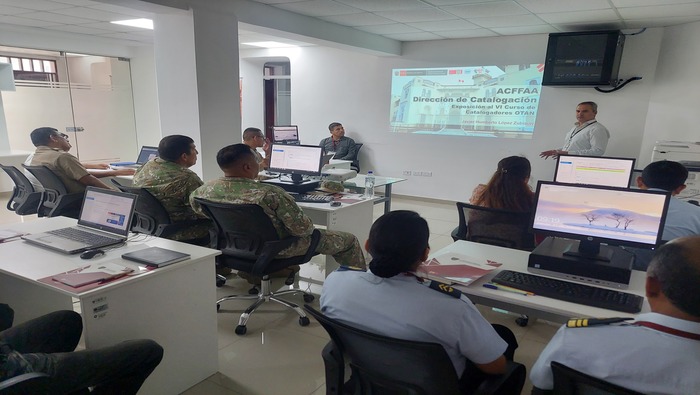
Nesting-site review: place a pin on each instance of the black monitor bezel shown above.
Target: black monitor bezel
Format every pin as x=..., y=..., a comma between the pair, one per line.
x=296, y=171
x=274, y=140
x=598, y=239
x=556, y=168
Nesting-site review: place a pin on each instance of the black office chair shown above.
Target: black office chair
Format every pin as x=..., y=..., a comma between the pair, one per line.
x=56, y=200
x=25, y=199
x=568, y=381
x=355, y=165
x=249, y=242
x=385, y=365
x=502, y=228
x=151, y=218
x=27, y=383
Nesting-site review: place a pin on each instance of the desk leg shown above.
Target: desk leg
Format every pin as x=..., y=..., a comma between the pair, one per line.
x=387, y=196
x=175, y=308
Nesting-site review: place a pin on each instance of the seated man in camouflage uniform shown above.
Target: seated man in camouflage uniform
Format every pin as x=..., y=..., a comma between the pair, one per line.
x=238, y=186
x=170, y=180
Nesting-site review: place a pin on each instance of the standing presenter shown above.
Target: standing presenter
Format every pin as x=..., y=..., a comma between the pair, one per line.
x=587, y=137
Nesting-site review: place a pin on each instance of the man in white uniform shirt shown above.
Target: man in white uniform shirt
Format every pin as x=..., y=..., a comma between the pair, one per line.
x=658, y=352
x=587, y=137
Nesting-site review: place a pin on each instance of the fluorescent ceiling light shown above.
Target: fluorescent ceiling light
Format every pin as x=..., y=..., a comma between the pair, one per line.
x=142, y=23
x=270, y=44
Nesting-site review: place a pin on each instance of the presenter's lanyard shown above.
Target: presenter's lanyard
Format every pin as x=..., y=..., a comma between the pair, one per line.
x=577, y=131
x=670, y=331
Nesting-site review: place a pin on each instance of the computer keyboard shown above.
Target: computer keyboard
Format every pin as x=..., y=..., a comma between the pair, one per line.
x=571, y=292
x=312, y=198
x=83, y=236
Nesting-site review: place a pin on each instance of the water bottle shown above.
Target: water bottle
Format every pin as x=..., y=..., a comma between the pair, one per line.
x=369, y=185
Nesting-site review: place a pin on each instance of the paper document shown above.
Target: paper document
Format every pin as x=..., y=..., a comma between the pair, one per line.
x=456, y=268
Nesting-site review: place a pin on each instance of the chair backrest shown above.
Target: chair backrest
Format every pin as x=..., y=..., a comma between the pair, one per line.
x=385, y=365
x=22, y=192
x=355, y=165
x=53, y=185
x=149, y=213
x=494, y=226
x=568, y=381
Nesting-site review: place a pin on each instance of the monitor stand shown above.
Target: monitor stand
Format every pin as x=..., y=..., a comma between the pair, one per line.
x=610, y=266
x=296, y=185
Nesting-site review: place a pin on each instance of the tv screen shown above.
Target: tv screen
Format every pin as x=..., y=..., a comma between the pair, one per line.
x=296, y=159
x=594, y=170
x=614, y=216
x=583, y=58
x=289, y=133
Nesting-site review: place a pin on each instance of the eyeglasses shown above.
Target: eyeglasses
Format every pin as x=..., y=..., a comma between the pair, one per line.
x=63, y=136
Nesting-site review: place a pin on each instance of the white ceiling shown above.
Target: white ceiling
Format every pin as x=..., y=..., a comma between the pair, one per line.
x=403, y=20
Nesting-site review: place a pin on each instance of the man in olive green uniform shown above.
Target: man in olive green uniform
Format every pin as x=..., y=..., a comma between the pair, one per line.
x=238, y=186
x=170, y=180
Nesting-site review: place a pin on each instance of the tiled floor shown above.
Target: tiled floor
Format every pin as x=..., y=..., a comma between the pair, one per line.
x=277, y=356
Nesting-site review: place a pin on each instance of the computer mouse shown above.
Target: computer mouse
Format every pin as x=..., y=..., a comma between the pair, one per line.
x=335, y=204
x=89, y=254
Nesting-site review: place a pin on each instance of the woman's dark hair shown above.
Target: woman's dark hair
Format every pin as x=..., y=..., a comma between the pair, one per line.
x=507, y=189
x=397, y=240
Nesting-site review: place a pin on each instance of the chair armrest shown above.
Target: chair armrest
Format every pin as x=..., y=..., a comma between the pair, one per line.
x=165, y=230
x=270, y=251
x=511, y=382
x=335, y=368
x=27, y=383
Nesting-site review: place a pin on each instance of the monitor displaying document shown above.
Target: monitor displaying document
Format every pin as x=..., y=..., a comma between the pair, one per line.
x=594, y=170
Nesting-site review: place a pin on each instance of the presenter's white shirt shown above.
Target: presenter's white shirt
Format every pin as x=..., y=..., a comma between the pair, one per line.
x=590, y=139
x=635, y=357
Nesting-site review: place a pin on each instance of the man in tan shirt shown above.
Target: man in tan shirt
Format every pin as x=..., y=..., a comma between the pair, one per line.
x=52, y=151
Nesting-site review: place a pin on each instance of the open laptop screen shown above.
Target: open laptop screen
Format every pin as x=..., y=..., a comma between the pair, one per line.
x=147, y=153
x=107, y=210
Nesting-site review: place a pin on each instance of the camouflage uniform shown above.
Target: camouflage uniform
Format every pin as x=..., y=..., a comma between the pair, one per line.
x=286, y=216
x=172, y=184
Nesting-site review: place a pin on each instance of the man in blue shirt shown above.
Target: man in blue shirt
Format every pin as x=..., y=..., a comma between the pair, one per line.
x=683, y=218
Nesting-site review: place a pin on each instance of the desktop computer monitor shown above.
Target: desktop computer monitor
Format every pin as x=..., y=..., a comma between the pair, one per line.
x=288, y=134
x=594, y=170
x=596, y=214
x=296, y=160
x=589, y=226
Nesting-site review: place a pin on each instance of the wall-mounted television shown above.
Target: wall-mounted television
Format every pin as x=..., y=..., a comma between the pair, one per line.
x=583, y=58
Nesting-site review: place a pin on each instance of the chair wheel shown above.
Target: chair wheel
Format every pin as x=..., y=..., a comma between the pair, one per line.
x=218, y=306
x=309, y=298
x=303, y=321
x=241, y=330
x=220, y=283
x=522, y=321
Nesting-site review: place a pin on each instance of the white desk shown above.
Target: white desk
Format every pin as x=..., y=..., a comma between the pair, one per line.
x=358, y=184
x=355, y=218
x=173, y=305
x=533, y=306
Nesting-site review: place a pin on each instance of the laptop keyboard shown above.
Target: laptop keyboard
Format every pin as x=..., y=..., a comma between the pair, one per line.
x=83, y=236
x=312, y=198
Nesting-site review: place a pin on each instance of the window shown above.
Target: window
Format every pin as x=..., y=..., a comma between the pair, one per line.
x=32, y=69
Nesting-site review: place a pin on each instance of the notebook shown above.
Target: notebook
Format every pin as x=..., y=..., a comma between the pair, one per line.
x=105, y=215
x=155, y=256
x=147, y=153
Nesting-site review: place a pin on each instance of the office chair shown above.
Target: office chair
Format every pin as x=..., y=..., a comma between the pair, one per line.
x=498, y=227
x=55, y=200
x=568, y=381
x=27, y=383
x=355, y=165
x=151, y=217
x=25, y=199
x=249, y=242
x=385, y=365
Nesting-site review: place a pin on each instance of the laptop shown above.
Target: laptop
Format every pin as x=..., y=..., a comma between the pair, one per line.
x=105, y=219
x=147, y=153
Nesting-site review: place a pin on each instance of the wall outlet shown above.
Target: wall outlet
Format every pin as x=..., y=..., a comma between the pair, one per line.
x=422, y=173
x=406, y=172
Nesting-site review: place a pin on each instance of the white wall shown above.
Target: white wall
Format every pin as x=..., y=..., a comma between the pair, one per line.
x=673, y=105
x=335, y=85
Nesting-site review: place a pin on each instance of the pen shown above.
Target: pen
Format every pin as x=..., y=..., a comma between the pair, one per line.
x=508, y=289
